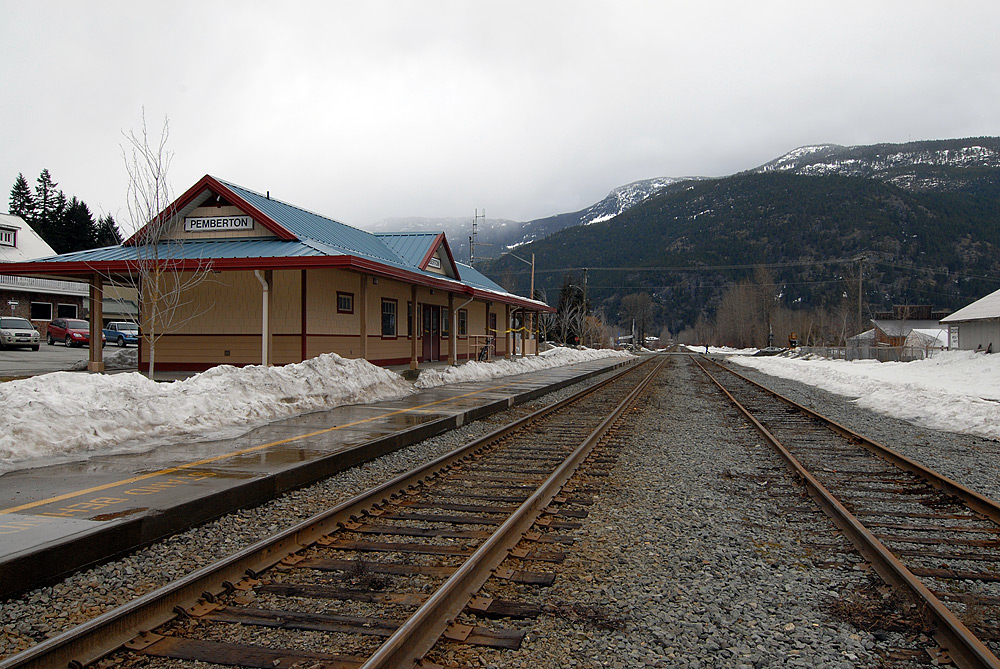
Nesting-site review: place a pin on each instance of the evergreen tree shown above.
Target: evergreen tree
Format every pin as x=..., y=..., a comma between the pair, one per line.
x=108, y=233
x=22, y=202
x=49, y=204
x=73, y=229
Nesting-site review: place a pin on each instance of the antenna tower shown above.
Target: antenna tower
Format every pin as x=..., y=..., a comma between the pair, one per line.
x=475, y=232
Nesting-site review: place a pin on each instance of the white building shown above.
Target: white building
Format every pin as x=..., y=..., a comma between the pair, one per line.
x=975, y=327
x=37, y=299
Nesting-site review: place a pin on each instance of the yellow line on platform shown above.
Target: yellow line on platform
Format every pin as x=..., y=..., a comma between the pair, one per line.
x=191, y=465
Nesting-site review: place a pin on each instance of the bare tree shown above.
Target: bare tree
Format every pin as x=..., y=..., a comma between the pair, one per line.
x=158, y=272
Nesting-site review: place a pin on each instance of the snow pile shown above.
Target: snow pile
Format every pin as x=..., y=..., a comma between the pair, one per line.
x=719, y=350
x=124, y=358
x=54, y=416
x=482, y=371
x=957, y=391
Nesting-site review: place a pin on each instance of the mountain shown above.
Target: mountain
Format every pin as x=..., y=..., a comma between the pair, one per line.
x=496, y=235
x=923, y=215
x=927, y=165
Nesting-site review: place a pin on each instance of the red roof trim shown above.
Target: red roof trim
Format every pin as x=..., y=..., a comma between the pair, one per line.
x=432, y=251
x=85, y=270
x=212, y=184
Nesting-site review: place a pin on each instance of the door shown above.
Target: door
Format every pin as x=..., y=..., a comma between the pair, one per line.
x=431, y=332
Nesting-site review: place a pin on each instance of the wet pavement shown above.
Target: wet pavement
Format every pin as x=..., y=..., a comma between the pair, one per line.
x=59, y=518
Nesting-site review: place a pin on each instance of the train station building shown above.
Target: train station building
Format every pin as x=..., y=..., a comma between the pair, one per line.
x=231, y=276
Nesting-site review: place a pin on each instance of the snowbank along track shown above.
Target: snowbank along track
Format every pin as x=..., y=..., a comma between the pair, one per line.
x=379, y=580
x=922, y=532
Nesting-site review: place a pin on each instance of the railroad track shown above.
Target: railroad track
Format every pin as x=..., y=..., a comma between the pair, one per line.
x=924, y=534
x=380, y=579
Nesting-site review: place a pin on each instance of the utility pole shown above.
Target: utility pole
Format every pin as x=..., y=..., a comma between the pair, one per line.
x=861, y=261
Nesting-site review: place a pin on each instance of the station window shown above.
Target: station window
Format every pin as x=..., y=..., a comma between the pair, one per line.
x=41, y=311
x=66, y=311
x=388, y=317
x=345, y=303
x=445, y=323
x=409, y=319
x=463, y=323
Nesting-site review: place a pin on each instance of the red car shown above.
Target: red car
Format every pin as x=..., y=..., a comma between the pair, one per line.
x=70, y=331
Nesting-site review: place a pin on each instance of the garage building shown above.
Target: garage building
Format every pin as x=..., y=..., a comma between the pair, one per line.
x=975, y=327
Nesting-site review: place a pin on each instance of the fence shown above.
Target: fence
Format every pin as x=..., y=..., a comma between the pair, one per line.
x=36, y=285
x=880, y=353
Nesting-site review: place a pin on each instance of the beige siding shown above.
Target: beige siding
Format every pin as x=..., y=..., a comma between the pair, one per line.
x=219, y=320
x=177, y=230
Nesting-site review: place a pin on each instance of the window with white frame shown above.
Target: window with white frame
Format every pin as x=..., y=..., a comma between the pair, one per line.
x=388, y=317
x=41, y=311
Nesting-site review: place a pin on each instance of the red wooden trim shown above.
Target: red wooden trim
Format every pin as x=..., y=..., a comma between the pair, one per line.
x=386, y=362
x=439, y=241
x=431, y=251
x=78, y=270
x=345, y=311
x=213, y=185
x=381, y=314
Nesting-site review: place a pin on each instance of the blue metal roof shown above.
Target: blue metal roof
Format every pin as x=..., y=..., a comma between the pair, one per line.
x=305, y=224
x=412, y=247
x=477, y=279
x=317, y=236
x=196, y=250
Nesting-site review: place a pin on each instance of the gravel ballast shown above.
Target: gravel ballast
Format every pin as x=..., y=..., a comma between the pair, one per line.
x=698, y=552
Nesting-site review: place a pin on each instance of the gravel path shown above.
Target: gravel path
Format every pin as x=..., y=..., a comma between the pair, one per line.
x=690, y=558
x=699, y=552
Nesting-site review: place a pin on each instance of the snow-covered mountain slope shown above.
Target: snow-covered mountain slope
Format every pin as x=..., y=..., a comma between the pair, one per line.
x=914, y=165
x=496, y=235
x=627, y=196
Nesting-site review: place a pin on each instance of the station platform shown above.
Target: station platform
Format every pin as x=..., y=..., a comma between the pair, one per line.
x=60, y=518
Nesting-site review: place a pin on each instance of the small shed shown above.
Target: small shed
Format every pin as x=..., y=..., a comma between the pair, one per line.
x=977, y=326
x=895, y=331
x=935, y=338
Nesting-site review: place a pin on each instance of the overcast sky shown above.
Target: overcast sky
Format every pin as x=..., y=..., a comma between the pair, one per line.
x=368, y=110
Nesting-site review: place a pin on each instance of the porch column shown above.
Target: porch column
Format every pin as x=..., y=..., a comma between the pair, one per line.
x=534, y=331
x=304, y=317
x=363, y=315
x=413, y=326
x=452, y=331
x=96, y=362
x=486, y=329
x=507, y=333
x=524, y=333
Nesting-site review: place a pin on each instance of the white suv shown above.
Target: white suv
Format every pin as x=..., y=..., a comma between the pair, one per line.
x=18, y=332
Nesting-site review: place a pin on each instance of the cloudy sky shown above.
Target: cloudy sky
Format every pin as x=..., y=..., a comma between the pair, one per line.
x=368, y=110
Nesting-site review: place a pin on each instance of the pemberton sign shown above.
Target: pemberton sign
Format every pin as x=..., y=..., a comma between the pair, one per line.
x=217, y=223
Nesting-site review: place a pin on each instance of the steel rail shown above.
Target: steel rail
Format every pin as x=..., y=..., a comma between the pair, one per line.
x=967, y=650
x=976, y=501
x=92, y=640
x=422, y=629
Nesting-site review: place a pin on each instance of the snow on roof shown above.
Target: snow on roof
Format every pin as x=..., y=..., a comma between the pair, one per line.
x=936, y=337
x=28, y=246
x=901, y=328
x=987, y=307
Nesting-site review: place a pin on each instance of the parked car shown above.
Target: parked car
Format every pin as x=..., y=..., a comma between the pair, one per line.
x=122, y=333
x=70, y=331
x=18, y=332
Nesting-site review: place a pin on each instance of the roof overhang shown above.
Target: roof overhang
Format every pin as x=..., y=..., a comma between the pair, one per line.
x=125, y=269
